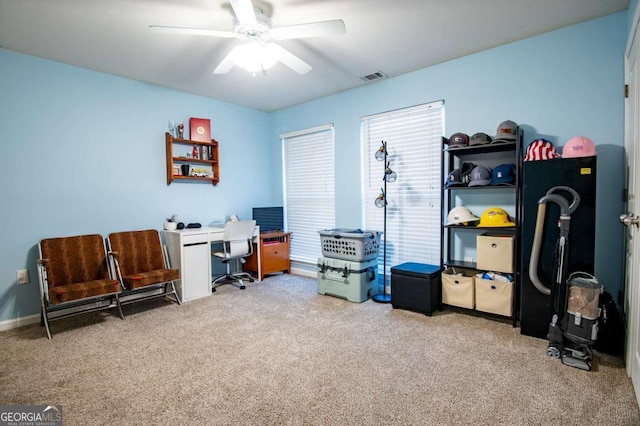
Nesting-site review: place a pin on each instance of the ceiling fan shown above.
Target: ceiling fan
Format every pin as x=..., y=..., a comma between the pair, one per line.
x=258, y=52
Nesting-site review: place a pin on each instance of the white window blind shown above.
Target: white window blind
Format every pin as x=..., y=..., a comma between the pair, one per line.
x=413, y=136
x=309, y=181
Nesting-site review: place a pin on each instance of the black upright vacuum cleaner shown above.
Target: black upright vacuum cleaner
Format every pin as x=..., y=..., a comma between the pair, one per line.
x=574, y=300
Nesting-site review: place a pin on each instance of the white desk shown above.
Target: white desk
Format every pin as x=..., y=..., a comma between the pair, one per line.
x=190, y=251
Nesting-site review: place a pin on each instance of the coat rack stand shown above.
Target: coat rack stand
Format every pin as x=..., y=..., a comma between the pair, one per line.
x=389, y=176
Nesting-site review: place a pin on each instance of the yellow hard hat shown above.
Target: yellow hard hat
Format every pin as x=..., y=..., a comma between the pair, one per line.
x=494, y=217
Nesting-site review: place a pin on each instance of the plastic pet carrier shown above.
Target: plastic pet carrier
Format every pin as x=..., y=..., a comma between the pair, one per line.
x=347, y=244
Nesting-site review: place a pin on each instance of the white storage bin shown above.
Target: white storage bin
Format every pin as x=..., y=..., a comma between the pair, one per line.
x=495, y=297
x=495, y=253
x=457, y=287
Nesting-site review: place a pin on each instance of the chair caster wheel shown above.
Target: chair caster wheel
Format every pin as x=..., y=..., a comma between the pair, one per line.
x=242, y=287
x=251, y=280
x=213, y=290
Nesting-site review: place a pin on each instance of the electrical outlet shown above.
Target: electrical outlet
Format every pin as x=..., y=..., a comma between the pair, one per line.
x=22, y=276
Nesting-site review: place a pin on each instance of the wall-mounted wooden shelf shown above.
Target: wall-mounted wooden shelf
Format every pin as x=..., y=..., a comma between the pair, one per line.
x=211, y=163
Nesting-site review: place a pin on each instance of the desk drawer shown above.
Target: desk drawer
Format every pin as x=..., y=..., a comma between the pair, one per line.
x=275, y=256
x=194, y=239
x=276, y=250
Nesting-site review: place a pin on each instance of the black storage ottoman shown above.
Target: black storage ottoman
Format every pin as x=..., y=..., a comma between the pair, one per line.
x=416, y=287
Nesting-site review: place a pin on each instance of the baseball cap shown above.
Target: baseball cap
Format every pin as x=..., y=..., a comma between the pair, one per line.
x=480, y=176
x=540, y=149
x=504, y=174
x=454, y=179
x=479, y=139
x=506, y=132
x=458, y=140
x=460, y=176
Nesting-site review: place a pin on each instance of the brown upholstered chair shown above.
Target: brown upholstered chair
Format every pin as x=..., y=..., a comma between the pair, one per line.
x=72, y=272
x=140, y=263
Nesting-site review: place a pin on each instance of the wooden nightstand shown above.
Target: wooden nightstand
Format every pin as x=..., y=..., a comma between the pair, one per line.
x=272, y=251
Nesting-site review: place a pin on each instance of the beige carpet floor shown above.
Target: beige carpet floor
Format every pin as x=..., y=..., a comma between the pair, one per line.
x=278, y=353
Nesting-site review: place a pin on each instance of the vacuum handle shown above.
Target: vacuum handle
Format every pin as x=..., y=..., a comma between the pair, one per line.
x=575, y=202
x=535, y=251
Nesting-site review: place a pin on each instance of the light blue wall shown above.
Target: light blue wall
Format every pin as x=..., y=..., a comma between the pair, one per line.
x=558, y=85
x=84, y=152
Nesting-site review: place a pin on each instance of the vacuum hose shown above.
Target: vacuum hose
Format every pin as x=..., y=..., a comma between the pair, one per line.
x=535, y=251
x=565, y=217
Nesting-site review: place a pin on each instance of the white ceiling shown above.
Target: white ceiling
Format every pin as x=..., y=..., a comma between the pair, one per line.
x=395, y=37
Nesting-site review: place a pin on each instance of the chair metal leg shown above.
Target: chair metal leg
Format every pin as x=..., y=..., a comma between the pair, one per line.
x=45, y=318
x=246, y=275
x=119, y=307
x=175, y=293
x=229, y=278
x=240, y=274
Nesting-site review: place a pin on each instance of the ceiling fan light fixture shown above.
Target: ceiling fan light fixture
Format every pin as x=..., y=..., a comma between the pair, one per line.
x=252, y=26
x=254, y=57
x=260, y=30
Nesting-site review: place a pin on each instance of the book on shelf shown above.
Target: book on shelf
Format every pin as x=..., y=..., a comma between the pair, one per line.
x=200, y=129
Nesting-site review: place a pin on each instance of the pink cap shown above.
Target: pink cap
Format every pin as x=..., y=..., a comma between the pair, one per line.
x=579, y=146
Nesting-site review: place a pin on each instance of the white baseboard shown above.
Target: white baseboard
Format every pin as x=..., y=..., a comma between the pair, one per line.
x=304, y=272
x=19, y=322
x=35, y=319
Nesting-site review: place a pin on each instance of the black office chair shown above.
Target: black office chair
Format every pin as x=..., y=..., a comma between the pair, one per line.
x=237, y=244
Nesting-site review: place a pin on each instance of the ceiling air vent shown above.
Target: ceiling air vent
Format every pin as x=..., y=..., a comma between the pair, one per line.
x=374, y=76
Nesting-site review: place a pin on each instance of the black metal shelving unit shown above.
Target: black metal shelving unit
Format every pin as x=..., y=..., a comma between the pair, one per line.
x=490, y=156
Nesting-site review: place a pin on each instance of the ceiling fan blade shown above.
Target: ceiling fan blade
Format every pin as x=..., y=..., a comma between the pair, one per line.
x=313, y=29
x=289, y=59
x=190, y=31
x=227, y=63
x=244, y=11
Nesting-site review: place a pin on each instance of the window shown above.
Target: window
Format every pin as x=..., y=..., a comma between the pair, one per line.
x=309, y=189
x=414, y=145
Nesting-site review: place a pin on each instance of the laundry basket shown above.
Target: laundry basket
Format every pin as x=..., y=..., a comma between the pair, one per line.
x=350, y=244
